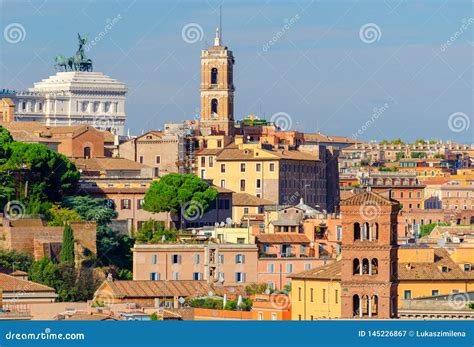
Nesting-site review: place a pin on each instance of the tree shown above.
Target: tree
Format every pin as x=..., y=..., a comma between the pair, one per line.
x=153, y=231
x=398, y=142
x=59, y=216
x=15, y=260
x=181, y=194
x=67, y=248
x=89, y=208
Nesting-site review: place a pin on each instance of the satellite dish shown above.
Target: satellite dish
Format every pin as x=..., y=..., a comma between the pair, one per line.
x=181, y=300
x=222, y=224
x=216, y=224
x=228, y=221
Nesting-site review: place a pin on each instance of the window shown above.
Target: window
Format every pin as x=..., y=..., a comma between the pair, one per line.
x=467, y=267
x=311, y=295
x=125, y=204
x=239, y=277
x=211, y=161
x=434, y=292
x=307, y=266
x=214, y=75
x=260, y=316
x=140, y=203
x=221, y=258
x=240, y=240
x=240, y=259
x=222, y=168
x=154, y=276
x=272, y=167
x=299, y=294
x=175, y=276
x=221, y=277
x=197, y=276
x=289, y=268
x=339, y=233
x=242, y=167
x=259, y=183
x=203, y=161
x=271, y=268
x=223, y=183
x=242, y=185
x=154, y=259
x=87, y=152
x=175, y=259
x=258, y=167
x=214, y=106
x=197, y=259
x=336, y=296
x=158, y=159
x=219, y=143
x=274, y=316
x=407, y=294
x=141, y=159
x=156, y=172
x=246, y=210
x=324, y=296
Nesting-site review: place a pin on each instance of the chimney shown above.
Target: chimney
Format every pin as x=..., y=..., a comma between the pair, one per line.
x=110, y=278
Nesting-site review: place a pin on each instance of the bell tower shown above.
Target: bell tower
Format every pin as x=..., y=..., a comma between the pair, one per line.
x=369, y=278
x=217, y=89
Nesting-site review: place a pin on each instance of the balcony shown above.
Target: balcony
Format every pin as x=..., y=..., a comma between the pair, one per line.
x=287, y=255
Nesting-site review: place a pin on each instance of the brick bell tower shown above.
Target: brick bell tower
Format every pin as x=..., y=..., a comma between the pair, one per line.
x=217, y=90
x=369, y=257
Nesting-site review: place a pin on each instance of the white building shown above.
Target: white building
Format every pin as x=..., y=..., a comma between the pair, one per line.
x=74, y=97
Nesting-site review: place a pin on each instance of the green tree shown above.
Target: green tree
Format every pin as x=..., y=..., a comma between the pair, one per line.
x=89, y=208
x=153, y=231
x=67, y=248
x=15, y=260
x=181, y=194
x=398, y=142
x=59, y=216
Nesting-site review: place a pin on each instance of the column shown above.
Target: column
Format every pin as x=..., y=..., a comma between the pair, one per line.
x=369, y=301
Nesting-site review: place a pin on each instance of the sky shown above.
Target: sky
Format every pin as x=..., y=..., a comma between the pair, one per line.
x=370, y=70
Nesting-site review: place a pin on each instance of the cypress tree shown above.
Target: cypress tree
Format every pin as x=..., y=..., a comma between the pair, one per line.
x=67, y=248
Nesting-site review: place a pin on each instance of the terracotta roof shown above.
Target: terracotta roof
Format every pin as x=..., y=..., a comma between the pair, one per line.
x=245, y=199
x=104, y=164
x=282, y=238
x=430, y=271
x=13, y=284
x=232, y=153
x=27, y=223
x=209, y=151
x=152, y=289
x=368, y=198
x=222, y=190
x=91, y=316
x=324, y=138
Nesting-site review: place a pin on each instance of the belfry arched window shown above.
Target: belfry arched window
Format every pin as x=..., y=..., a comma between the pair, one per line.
x=356, y=231
x=214, y=75
x=214, y=105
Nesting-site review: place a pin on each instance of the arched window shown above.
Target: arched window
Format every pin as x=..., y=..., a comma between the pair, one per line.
x=375, y=234
x=374, y=267
x=214, y=75
x=365, y=266
x=356, y=305
x=356, y=231
x=214, y=104
x=365, y=302
x=356, y=267
x=375, y=305
x=87, y=152
x=366, y=231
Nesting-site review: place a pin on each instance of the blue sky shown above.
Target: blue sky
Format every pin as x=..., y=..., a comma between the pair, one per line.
x=321, y=70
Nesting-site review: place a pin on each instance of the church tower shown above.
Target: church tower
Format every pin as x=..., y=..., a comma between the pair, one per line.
x=369, y=278
x=217, y=89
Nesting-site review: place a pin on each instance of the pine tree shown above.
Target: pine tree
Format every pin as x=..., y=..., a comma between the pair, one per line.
x=67, y=248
